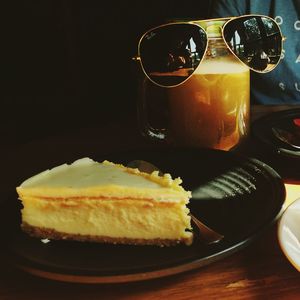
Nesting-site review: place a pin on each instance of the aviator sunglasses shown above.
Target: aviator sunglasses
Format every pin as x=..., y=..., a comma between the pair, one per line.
x=169, y=54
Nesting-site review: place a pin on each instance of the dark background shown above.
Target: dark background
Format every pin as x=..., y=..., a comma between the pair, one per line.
x=67, y=64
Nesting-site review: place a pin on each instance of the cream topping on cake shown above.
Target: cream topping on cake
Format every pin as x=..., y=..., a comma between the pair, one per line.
x=92, y=179
x=87, y=173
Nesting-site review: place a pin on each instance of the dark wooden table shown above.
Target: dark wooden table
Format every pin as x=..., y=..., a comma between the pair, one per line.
x=256, y=272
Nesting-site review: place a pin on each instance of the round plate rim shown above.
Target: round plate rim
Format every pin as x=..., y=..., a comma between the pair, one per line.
x=279, y=232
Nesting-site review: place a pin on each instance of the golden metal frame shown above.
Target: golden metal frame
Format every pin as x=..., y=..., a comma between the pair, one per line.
x=197, y=23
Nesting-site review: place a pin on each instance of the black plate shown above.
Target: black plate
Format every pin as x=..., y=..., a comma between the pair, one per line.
x=237, y=196
x=282, y=157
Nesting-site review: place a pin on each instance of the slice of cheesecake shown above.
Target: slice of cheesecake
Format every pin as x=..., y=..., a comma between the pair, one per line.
x=105, y=202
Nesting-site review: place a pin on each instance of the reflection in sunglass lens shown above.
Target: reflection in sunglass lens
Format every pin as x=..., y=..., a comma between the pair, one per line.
x=171, y=53
x=256, y=40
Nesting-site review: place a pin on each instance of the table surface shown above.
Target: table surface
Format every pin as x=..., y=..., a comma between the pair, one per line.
x=260, y=270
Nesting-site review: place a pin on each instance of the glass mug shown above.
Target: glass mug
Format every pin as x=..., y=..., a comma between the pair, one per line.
x=210, y=109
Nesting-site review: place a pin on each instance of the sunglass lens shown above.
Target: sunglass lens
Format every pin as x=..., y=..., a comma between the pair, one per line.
x=256, y=40
x=170, y=54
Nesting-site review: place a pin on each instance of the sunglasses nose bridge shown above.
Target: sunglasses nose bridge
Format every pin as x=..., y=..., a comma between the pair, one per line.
x=214, y=31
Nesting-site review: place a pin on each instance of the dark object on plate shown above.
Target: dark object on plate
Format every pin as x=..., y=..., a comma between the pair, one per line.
x=206, y=235
x=237, y=196
x=277, y=137
x=290, y=137
x=296, y=121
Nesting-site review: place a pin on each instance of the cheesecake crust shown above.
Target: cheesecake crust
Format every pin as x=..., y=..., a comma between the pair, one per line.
x=48, y=233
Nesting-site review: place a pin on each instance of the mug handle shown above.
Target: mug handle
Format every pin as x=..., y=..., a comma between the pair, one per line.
x=143, y=122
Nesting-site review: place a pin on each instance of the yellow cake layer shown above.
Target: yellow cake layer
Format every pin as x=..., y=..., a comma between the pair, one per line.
x=133, y=219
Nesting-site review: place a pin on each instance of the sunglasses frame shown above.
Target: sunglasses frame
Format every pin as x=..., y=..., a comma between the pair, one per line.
x=197, y=23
